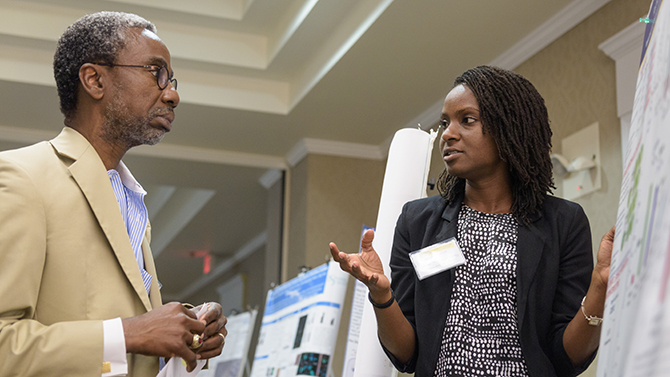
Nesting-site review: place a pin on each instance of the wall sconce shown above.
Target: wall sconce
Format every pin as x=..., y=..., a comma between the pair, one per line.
x=562, y=166
x=579, y=164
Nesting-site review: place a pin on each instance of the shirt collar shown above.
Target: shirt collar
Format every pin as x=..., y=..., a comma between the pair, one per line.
x=128, y=180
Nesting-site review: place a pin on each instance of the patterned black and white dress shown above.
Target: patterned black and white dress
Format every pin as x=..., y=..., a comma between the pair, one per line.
x=481, y=336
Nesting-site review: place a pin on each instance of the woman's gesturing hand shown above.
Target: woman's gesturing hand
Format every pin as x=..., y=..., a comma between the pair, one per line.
x=364, y=266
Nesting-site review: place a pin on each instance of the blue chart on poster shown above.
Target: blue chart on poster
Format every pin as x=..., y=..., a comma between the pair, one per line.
x=300, y=324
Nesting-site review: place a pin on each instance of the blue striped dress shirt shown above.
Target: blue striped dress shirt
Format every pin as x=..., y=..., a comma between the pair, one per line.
x=130, y=196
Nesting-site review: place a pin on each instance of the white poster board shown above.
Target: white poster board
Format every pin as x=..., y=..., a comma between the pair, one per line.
x=635, y=338
x=355, y=319
x=300, y=324
x=233, y=359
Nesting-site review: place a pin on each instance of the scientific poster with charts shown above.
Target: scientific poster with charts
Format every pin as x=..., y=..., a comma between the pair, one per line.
x=233, y=360
x=355, y=320
x=635, y=338
x=300, y=324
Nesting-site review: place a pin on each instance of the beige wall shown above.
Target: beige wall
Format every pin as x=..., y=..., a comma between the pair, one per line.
x=343, y=196
x=297, y=218
x=331, y=199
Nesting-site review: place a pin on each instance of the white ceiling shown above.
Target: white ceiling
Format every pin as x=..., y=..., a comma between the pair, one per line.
x=264, y=82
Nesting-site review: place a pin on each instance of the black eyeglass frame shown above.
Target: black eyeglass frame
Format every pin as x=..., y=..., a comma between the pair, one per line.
x=169, y=78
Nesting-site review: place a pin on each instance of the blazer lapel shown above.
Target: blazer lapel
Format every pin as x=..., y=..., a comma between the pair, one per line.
x=90, y=174
x=155, y=293
x=530, y=247
x=450, y=226
x=448, y=229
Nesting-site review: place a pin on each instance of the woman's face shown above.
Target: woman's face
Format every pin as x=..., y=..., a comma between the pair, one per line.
x=468, y=152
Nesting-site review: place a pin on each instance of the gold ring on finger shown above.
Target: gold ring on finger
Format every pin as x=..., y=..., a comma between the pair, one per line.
x=196, y=343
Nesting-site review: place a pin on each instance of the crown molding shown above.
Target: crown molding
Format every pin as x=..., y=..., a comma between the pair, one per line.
x=624, y=42
x=215, y=156
x=304, y=147
x=625, y=48
x=308, y=146
x=551, y=30
x=270, y=177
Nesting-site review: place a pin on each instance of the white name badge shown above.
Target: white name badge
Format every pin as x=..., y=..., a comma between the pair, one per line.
x=436, y=258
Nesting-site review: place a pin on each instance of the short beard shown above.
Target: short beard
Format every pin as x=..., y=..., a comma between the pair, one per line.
x=120, y=128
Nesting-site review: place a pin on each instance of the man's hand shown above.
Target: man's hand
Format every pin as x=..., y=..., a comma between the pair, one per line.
x=211, y=316
x=166, y=331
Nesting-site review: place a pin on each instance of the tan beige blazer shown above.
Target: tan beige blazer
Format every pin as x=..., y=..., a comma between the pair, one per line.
x=66, y=262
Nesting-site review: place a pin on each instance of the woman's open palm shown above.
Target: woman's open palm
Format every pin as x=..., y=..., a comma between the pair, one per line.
x=364, y=266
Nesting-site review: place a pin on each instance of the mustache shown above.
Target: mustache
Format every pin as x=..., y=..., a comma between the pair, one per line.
x=162, y=111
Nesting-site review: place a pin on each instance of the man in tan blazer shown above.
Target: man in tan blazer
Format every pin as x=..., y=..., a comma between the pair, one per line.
x=74, y=293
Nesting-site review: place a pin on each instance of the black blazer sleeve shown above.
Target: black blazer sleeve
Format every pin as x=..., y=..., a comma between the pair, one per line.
x=555, y=263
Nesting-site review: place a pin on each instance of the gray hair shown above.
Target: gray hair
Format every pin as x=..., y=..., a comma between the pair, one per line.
x=94, y=38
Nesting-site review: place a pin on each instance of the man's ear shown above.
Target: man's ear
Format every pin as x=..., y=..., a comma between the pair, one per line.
x=90, y=79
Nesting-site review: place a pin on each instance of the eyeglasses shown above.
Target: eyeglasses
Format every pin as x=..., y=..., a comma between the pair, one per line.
x=161, y=73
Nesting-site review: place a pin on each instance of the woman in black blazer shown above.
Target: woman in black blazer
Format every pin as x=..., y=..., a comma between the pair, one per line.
x=527, y=301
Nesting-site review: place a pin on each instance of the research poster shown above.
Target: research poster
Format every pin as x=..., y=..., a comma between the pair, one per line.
x=300, y=324
x=355, y=319
x=358, y=302
x=233, y=359
x=635, y=338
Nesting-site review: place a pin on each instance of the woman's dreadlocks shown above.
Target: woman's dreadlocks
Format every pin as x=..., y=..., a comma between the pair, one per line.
x=514, y=113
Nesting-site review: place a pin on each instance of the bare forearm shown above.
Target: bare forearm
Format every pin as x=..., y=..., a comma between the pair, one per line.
x=395, y=332
x=580, y=338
